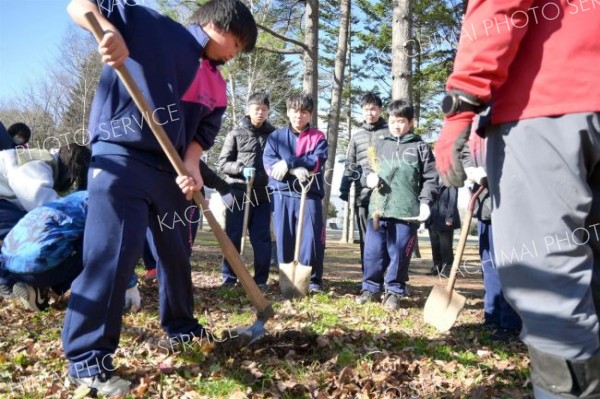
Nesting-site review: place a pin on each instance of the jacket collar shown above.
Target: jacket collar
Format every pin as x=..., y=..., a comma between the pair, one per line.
x=380, y=124
x=202, y=38
x=265, y=128
x=407, y=138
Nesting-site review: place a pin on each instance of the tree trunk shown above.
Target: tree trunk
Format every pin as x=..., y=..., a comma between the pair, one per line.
x=401, y=62
x=333, y=123
x=311, y=57
x=348, y=229
x=419, y=85
x=233, y=102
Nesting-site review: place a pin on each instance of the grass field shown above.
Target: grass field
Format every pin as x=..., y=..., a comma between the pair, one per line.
x=323, y=346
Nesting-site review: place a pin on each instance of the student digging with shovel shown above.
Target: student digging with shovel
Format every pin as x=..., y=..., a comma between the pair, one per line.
x=131, y=181
x=291, y=155
x=241, y=160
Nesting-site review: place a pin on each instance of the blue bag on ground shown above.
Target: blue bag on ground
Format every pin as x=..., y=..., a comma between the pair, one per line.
x=46, y=236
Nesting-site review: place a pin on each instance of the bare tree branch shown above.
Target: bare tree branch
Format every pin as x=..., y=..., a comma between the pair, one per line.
x=280, y=51
x=286, y=39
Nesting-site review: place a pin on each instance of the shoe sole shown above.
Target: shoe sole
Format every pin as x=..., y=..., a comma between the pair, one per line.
x=6, y=292
x=124, y=389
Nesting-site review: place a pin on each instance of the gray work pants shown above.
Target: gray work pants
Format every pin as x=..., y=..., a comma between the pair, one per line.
x=544, y=176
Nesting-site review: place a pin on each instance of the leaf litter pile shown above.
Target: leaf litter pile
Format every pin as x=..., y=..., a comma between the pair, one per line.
x=323, y=346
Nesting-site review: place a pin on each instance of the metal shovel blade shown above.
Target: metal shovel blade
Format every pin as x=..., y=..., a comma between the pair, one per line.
x=443, y=307
x=444, y=304
x=294, y=279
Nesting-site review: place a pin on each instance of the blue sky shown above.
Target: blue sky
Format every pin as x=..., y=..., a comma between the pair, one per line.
x=30, y=32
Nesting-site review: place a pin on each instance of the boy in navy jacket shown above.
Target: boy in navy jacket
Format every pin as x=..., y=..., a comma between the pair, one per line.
x=291, y=155
x=132, y=184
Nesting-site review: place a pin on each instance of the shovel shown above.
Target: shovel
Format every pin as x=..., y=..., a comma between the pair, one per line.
x=294, y=278
x=249, y=183
x=444, y=303
x=264, y=308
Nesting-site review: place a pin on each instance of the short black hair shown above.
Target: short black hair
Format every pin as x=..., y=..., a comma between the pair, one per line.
x=21, y=130
x=260, y=99
x=73, y=163
x=371, y=98
x=301, y=101
x=401, y=109
x=229, y=16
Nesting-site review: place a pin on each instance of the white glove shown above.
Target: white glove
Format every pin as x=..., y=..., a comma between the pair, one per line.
x=279, y=170
x=372, y=180
x=424, y=213
x=475, y=175
x=227, y=200
x=301, y=173
x=133, y=299
x=421, y=229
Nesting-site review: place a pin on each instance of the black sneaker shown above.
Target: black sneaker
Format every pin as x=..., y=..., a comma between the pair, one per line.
x=392, y=300
x=101, y=384
x=434, y=271
x=505, y=335
x=228, y=284
x=32, y=298
x=445, y=271
x=263, y=287
x=368, y=296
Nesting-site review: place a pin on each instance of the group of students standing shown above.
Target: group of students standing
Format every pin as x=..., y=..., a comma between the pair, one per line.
x=276, y=162
x=396, y=187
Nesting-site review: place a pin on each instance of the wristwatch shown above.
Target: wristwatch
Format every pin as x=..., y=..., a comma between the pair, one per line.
x=457, y=101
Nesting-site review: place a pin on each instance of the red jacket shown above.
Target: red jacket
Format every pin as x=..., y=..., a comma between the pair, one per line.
x=531, y=58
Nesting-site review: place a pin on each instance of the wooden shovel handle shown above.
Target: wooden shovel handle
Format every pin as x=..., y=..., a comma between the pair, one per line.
x=249, y=183
x=305, y=188
x=464, y=232
x=265, y=311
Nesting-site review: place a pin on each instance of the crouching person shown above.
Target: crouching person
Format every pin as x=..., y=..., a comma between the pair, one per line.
x=44, y=251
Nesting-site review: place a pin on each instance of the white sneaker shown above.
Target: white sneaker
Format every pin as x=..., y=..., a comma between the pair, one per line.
x=32, y=298
x=101, y=384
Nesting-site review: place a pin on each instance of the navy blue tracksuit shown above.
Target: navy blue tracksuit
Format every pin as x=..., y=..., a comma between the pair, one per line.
x=114, y=238
x=498, y=313
x=387, y=253
x=259, y=221
x=307, y=149
x=132, y=185
x=312, y=245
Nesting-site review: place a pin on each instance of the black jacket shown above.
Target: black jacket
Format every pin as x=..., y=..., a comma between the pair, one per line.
x=212, y=179
x=6, y=142
x=357, y=158
x=243, y=148
x=445, y=209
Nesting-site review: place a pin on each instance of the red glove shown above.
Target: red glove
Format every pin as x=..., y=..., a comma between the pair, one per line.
x=448, y=149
